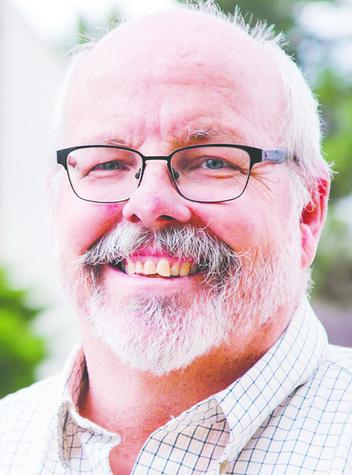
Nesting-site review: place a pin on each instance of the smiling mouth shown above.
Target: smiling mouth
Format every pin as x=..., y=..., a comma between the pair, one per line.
x=156, y=267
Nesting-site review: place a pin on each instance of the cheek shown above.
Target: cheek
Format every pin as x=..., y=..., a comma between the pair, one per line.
x=241, y=227
x=241, y=234
x=254, y=224
x=80, y=224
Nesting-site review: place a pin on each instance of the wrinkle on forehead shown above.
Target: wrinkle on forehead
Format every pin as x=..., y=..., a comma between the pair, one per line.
x=184, y=137
x=134, y=120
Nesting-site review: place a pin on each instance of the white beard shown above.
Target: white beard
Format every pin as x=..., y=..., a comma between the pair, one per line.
x=160, y=334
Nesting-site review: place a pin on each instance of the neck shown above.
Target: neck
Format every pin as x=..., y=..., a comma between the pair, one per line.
x=134, y=404
x=137, y=401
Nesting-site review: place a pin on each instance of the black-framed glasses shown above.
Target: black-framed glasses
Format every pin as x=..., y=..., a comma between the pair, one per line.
x=209, y=173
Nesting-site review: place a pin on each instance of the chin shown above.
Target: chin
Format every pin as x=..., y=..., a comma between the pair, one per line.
x=158, y=334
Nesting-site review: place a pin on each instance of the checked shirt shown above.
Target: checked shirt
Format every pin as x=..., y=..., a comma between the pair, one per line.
x=291, y=413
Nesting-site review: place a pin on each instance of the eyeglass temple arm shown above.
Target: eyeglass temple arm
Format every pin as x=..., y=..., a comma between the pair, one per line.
x=274, y=155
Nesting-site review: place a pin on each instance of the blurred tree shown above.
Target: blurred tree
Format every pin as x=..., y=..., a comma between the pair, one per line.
x=278, y=12
x=332, y=270
x=20, y=349
x=87, y=30
x=335, y=95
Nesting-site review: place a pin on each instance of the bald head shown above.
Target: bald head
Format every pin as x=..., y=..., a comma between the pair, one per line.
x=180, y=39
x=187, y=48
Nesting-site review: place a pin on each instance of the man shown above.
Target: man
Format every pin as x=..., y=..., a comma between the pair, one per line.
x=188, y=202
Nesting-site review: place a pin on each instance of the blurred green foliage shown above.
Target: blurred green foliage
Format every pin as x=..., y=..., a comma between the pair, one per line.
x=20, y=349
x=277, y=12
x=332, y=269
x=87, y=31
x=335, y=96
x=333, y=266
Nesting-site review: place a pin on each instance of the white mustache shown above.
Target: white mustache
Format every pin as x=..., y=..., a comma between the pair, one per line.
x=215, y=259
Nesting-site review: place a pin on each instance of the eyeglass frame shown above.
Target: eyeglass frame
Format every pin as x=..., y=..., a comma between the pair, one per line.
x=256, y=155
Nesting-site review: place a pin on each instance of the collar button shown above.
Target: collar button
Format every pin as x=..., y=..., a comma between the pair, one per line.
x=223, y=466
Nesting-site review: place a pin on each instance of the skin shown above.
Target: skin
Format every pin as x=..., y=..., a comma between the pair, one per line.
x=136, y=90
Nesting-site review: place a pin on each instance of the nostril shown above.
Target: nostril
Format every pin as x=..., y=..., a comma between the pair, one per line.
x=134, y=219
x=167, y=218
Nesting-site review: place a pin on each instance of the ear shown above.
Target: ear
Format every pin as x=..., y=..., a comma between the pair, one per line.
x=312, y=221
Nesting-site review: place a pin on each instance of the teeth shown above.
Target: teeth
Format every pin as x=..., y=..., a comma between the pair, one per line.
x=175, y=269
x=139, y=267
x=149, y=268
x=163, y=268
x=131, y=267
x=185, y=268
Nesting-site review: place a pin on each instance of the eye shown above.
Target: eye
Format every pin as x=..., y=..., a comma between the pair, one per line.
x=112, y=165
x=214, y=164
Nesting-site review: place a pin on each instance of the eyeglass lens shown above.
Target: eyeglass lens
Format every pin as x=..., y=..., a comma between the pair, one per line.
x=106, y=174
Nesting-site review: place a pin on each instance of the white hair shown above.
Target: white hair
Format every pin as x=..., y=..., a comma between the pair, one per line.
x=301, y=124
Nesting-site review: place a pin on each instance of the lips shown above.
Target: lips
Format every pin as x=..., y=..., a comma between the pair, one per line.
x=157, y=266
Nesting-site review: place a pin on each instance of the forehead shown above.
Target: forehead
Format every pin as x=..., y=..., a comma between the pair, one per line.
x=183, y=66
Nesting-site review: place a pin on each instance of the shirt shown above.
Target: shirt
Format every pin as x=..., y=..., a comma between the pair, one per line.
x=290, y=413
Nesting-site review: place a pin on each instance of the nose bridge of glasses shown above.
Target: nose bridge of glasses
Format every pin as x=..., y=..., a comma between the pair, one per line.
x=147, y=158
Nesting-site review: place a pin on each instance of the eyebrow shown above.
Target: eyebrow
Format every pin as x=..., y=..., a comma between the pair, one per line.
x=115, y=141
x=200, y=134
x=191, y=136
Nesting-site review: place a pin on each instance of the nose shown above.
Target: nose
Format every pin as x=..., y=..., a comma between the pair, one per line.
x=156, y=202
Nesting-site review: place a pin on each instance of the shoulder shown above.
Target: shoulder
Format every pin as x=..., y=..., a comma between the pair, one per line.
x=32, y=399
x=324, y=400
x=329, y=389
x=28, y=414
x=335, y=368
x=340, y=358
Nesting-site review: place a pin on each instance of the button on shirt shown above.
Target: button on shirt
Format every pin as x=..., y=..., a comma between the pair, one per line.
x=291, y=413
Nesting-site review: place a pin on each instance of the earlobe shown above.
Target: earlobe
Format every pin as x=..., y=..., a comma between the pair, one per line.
x=312, y=221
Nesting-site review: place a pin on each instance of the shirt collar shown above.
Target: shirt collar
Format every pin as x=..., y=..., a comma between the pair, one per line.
x=69, y=421
x=289, y=363
x=246, y=403
x=74, y=376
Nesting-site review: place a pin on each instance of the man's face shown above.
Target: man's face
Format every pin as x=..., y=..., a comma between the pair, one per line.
x=156, y=96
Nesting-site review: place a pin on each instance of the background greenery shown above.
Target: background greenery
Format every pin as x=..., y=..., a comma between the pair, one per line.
x=21, y=350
